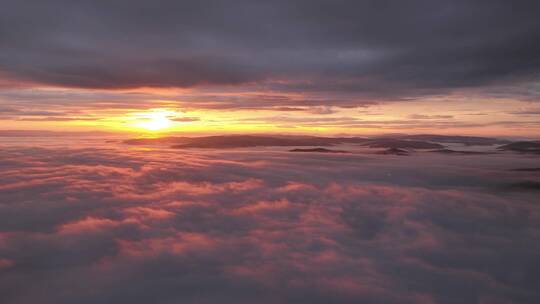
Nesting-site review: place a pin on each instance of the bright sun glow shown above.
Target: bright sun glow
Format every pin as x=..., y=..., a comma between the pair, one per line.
x=155, y=121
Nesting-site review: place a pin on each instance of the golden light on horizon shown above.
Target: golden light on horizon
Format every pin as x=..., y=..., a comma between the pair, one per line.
x=456, y=118
x=156, y=120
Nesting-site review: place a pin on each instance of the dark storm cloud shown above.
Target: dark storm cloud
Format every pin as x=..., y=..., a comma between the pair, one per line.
x=367, y=48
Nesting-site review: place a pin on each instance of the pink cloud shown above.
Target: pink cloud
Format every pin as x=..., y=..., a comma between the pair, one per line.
x=290, y=228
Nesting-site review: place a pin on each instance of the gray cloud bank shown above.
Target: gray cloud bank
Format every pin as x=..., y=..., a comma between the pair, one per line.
x=375, y=49
x=116, y=225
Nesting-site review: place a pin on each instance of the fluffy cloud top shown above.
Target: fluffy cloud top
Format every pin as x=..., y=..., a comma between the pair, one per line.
x=110, y=224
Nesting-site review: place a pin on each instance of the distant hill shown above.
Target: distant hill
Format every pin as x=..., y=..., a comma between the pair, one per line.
x=319, y=150
x=245, y=141
x=454, y=152
x=466, y=140
x=402, y=144
x=532, y=147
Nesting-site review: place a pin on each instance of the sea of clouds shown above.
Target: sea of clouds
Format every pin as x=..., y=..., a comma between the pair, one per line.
x=111, y=223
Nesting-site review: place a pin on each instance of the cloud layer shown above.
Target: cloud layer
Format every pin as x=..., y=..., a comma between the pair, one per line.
x=364, y=48
x=110, y=224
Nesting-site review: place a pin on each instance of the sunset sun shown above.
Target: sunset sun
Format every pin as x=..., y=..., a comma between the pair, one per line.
x=274, y=152
x=154, y=121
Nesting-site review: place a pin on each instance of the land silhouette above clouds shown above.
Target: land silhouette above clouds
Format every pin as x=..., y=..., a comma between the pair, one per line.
x=392, y=144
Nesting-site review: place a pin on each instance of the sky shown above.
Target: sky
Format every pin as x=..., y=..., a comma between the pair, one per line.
x=140, y=160
x=298, y=67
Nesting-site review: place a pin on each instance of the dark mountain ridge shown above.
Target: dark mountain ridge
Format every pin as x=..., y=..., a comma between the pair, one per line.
x=532, y=147
x=420, y=142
